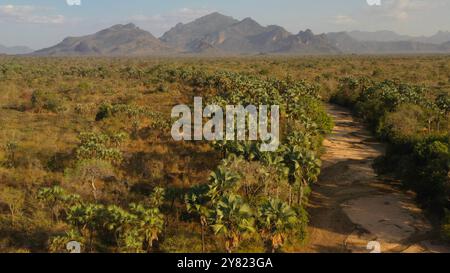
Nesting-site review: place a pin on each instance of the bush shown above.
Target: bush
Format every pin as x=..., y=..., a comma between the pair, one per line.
x=44, y=100
x=350, y=90
x=405, y=123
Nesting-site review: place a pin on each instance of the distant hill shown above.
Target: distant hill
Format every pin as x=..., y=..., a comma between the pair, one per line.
x=378, y=36
x=347, y=44
x=438, y=38
x=390, y=36
x=117, y=40
x=15, y=50
x=218, y=34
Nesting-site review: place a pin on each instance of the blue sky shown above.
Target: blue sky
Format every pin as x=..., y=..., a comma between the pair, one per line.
x=41, y=23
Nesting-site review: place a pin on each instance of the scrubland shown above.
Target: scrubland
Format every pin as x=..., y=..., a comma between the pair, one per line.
x=86, y=153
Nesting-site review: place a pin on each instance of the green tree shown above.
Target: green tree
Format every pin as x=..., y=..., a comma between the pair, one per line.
x=233, y=220
x=56, y=199
x=196, y=204
x=309, y=172
x=222, y=182
x=304, y=169
x=276, y=220
x=86, y=219
x=148, y=225
x=443, y=104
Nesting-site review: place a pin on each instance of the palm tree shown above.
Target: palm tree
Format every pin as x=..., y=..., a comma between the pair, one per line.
x=196, y=205
x=233, y=220
x=292, y=162
x=304, y=169
x=149, y=223
x=274, y=161
x=222, y=182
x=276, y=219
x=309, y=172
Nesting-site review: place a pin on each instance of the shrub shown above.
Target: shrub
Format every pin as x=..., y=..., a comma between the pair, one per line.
x=405, y=123
x=100, y=146
x=45, y=100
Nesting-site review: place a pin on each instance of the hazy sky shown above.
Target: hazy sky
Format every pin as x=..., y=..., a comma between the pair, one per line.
x=41, y=23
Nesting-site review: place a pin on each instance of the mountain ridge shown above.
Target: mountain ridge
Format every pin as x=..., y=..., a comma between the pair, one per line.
x=218, y=34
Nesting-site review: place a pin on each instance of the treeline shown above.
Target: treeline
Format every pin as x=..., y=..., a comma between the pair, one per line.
x=416, y=123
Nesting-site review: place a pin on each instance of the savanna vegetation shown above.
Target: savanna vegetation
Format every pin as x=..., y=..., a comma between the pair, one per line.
x=86, y=152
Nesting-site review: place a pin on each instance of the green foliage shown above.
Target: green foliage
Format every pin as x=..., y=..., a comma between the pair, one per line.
x=108, y=110
x=121, y=216
x=443, y=103
x=196, y=204
x=233, y=220
x=222, y=182
x=100, y=146
x=233, y=189
x=56, y=200
x=432, y=167
x=405, y=123
x=349, y=91
x=45, y=100
x=276, y=220
x=59, y=244
x=133, y=230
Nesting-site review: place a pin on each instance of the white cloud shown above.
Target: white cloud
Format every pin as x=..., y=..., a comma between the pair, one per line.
x=28, y=14
x=401, y=10
x=413, y=17
x=343, y=20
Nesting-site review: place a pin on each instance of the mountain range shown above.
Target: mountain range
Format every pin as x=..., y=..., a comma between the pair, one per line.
x=217, y=34
x=14, y=50
x=390, y=36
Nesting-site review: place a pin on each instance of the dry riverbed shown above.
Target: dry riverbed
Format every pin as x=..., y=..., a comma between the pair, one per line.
x=351, y=206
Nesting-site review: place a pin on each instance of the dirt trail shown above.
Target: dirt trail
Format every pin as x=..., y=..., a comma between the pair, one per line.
x=351, y=206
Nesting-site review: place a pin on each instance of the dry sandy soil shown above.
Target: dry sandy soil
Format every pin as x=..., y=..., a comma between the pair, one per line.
x=351, y=206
